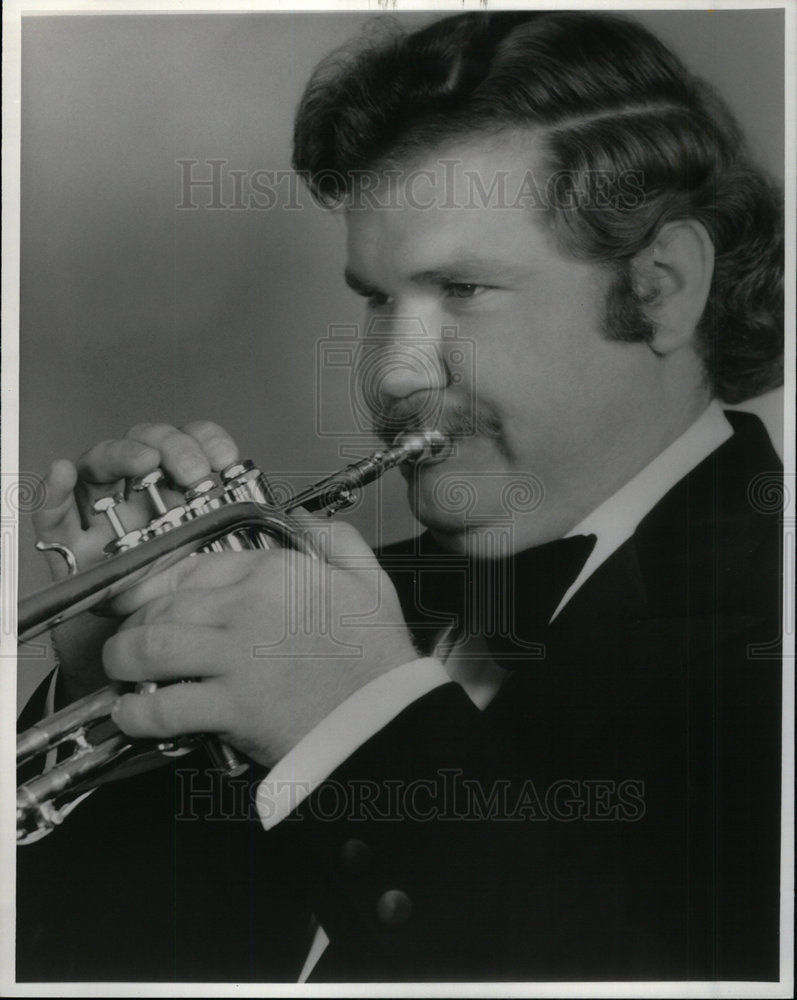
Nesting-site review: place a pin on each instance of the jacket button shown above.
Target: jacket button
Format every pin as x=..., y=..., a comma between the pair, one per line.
x=355, y=856
x=394, y=908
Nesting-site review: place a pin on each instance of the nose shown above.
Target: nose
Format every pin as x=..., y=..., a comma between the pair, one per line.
x=400, y=358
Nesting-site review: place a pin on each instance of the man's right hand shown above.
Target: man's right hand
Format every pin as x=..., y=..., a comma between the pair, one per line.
x=185, y=454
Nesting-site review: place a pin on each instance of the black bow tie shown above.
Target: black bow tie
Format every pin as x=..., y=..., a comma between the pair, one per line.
x=508, y=600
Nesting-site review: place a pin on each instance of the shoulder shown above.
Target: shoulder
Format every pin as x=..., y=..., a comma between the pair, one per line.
x=716, y=534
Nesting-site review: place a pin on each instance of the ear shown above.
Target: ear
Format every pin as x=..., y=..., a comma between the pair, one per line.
x=673, y=275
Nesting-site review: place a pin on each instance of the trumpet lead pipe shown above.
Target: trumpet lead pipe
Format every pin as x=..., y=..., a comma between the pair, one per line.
x=409, y=446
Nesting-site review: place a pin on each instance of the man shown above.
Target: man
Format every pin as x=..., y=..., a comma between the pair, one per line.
x=579, y=779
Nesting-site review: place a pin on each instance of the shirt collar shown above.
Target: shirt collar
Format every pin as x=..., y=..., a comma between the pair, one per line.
x=616, y=519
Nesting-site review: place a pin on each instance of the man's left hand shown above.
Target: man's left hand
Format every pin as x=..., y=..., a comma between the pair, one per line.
x=275, y=640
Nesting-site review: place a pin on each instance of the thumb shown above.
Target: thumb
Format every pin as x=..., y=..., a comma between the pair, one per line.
x=58, y=513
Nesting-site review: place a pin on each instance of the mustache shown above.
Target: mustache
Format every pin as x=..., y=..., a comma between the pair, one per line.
x=426, y=411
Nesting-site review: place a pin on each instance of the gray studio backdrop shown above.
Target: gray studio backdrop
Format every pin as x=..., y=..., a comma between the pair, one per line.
x=138, y=307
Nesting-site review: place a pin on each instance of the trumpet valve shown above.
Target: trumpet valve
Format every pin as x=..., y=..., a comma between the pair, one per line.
x=107, y=506
x=149, y=484
x=244, y=481
x=199, y=498
x=127, y=541
x=172, y=518
x=200, y=489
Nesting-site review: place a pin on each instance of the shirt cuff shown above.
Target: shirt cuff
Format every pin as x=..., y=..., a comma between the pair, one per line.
x=341, y=733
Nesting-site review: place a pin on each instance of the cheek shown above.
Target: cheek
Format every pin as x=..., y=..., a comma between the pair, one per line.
x=552, y=374
x=532, y=356
x=562, y=335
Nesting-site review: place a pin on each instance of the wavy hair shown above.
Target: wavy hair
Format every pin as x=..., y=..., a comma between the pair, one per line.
x=610, y=103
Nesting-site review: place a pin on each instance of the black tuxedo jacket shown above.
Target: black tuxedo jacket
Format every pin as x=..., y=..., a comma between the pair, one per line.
x=613, y=814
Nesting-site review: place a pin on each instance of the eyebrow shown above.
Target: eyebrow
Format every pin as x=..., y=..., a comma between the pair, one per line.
x=457, y=269
x=468, y=265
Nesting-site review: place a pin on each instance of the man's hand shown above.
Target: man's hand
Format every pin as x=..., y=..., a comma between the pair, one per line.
x=185, y=455
x=276, y=641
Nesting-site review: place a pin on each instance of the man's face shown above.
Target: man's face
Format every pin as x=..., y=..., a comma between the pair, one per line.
x=549, y=416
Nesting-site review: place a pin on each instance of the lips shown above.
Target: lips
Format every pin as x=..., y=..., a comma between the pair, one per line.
x=418, y=412
x=421, y=412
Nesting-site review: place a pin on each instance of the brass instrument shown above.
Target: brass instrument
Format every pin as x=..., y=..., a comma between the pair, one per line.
x=238, y=512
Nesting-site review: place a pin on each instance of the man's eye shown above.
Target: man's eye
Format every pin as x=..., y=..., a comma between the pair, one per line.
x=461, y=290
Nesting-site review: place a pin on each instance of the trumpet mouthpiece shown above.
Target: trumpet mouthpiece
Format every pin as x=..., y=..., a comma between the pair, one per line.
x=424, y=446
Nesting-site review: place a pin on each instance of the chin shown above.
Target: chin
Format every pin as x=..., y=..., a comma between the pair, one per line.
x=477, y=501
x=451, y=500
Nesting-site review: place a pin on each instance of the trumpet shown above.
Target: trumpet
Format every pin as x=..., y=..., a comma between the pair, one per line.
x=235, y=513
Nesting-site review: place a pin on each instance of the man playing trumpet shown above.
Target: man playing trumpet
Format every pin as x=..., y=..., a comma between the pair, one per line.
x=555, y=754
